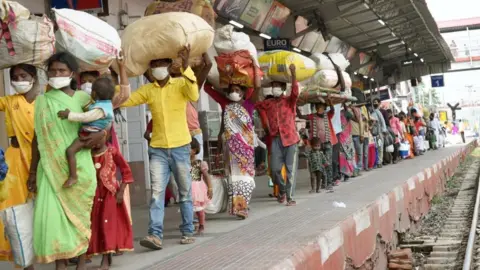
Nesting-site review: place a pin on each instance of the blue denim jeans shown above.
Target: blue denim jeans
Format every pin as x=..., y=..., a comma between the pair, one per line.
x=163, y=162
x=284, y=155
x=199, y=138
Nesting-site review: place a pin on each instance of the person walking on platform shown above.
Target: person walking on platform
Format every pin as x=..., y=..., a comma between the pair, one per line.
x=378, y=130
x=170, y=143
x=461, y=128
x=321, y=128
x=281, y=122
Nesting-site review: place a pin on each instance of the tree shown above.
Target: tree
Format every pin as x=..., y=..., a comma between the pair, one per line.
x=435, y=99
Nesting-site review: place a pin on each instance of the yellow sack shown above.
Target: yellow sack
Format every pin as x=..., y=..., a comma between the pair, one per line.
x=275, y=66
x=163, y=36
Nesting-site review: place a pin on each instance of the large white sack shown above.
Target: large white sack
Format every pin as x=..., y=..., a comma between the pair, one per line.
x=329, y=79
x=18, y=224
x=323, y=63
x=163, y=36
x=213, y=76
x=33, y=41
x=228, y=41
x=92, y=41
x=21, y=12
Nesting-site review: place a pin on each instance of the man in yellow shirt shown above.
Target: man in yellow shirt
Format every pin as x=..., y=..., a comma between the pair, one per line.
x=169, y=149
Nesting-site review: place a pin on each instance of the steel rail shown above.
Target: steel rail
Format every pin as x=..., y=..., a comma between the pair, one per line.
x=467, y=262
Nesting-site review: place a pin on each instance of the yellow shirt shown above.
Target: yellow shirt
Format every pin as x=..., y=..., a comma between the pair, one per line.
x=168, y=105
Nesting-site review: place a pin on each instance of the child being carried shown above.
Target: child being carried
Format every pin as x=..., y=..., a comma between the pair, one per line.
x=98, y=118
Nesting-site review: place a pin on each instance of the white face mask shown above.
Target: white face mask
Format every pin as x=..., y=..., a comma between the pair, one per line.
x=87, y=87
x=277, y=91
x=160, y=73
x=59, y=82
x=234, y=96
x=22, y=87
x=267, y=92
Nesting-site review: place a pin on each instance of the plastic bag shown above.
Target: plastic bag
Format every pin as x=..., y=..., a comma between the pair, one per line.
x=228, y=41
x=163, y=36
x=33, y=43
x=236, y=68
x=390, y=149
x=323, y=63
x=92, y=41
x=201, y=8
x=219, y=201
x=404, y=150
x=276, y=66
x=18, y=224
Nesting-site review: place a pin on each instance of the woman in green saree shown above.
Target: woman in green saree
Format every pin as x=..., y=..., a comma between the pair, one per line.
x=62, y=215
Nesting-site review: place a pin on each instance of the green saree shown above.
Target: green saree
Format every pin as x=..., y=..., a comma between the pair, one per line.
x=62, y=216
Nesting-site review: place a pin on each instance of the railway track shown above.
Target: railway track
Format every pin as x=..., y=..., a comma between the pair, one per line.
x=458, y=244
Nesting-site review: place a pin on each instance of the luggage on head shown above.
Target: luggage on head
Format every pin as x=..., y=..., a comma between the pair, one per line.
x=94, y=43
x=26, y=39
x=162, y=36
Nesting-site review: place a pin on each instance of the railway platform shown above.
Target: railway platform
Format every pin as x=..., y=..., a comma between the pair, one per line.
x=315, y=234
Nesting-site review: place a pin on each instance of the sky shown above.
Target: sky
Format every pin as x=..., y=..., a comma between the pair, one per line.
x=443, y=10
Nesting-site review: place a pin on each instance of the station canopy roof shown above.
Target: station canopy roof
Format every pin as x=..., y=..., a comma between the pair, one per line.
x=387, y=29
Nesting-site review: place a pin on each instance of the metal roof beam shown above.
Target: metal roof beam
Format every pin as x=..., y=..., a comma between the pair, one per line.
x=365, y=33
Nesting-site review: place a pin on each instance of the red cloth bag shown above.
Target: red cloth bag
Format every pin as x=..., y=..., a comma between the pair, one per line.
x=236, y=68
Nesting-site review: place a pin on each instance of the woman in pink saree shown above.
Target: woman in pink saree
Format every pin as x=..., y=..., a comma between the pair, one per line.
x=347, y=149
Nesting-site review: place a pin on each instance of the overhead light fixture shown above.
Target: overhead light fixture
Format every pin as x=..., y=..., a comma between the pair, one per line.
x=421, y=59
x=365, y=77
x=372, y=79
x=416, y=55
x=297, y=50
x=393, y=34
x=366, y=6
x=237, y=24
x=403, y=42
x=410, y=49
x=265, y=36
x=381, y=22
x=355, y=73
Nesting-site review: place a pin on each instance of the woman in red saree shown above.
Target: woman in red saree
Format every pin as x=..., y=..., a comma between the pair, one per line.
x=111, y=225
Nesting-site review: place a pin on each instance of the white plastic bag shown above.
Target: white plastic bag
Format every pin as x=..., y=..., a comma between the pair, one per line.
x=92, y=41
x=323, y=63
x=18, y=224
x=404, y=149
x=228, y=41
x=418, y=141
x=390, y=149
x=218, y=203
x=329, y=78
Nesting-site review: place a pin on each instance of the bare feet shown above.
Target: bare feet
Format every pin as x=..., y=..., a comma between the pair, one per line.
x=70, y=182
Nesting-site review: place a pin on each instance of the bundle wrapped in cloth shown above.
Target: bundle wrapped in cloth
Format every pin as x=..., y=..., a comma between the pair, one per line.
x=319, y=94
x=330, y=79
x=237, y=68
x=323, y=61
x=162, y=36
x=229, y=41
x=275, y=65
x=92, y=41
x=25, y=39
x=202, y=8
